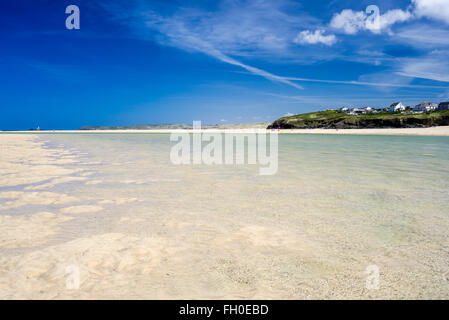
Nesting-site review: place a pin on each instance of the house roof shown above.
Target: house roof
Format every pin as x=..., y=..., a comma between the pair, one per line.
x=426, y=103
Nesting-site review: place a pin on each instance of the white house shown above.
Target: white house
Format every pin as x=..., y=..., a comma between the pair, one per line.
x=356, y=111
x=425, y=106
x=395, y=107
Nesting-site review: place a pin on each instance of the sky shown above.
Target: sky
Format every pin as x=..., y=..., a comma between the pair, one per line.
x=231, y=61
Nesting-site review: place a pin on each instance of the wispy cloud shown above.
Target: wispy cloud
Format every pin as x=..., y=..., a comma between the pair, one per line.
x=209, y=50
x=223, y=33
x=424, y=36
x=434, y=66
x=222, y=57
x=364, y=83
x=237, y=31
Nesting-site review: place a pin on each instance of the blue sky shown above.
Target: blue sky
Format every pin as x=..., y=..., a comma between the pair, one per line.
x=135, y=62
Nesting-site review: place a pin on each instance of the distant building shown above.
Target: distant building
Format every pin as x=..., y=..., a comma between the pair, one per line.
x=425, y=106
x=395, y=107
x=363, y=110
x=443, y=106
x=344, y=109
x=356, y=111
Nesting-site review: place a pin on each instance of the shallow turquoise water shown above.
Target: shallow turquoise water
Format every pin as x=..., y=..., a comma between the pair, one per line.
x=336, y=205
x=384, y=177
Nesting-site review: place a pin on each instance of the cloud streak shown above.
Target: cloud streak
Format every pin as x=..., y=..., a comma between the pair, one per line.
x=364, y=83
x=253, y=70
x=180, y=36
x=216, y=35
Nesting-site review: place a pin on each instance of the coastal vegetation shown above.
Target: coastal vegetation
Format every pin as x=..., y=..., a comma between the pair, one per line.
x=336, y=119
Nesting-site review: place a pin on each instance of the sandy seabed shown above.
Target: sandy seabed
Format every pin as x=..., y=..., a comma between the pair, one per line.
x=47, y=232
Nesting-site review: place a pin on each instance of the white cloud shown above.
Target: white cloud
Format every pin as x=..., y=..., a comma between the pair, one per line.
x=391, y=17
x=434, y=9
x=308, y=37
x=351, y=22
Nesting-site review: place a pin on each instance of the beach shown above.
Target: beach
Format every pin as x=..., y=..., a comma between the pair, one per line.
x=430, y=131
x=106, y=215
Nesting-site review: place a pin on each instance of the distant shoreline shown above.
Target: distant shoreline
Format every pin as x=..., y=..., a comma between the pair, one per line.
x=335, y=119
x=429, y=131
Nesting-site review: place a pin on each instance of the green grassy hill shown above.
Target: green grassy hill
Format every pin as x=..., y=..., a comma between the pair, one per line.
x=341, y=120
